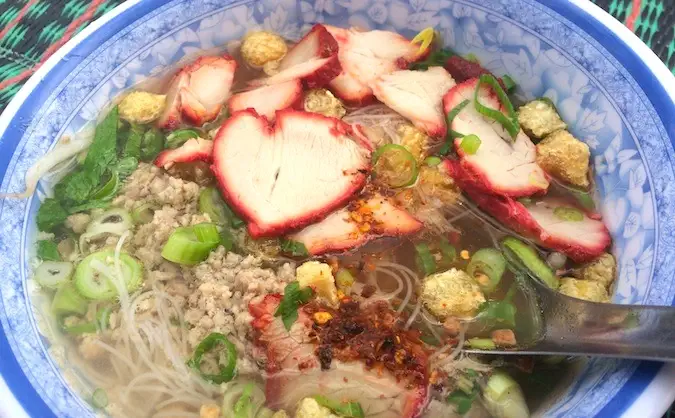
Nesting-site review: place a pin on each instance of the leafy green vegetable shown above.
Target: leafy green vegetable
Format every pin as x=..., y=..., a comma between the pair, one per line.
x=91, y=204
x=294, y=248
x=344, y=409
x=152, y=144
x=75, y=187
x=50, y=215
x=435, y=59
x=424, y=260
x=177, y=138
x=294, y=296
x=227, y=239
x=126, y=166
x=132, y=147
x=48, y=251
x=103, y=150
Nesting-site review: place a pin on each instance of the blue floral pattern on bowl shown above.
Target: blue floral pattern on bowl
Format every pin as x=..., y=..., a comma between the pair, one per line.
x=546, y=55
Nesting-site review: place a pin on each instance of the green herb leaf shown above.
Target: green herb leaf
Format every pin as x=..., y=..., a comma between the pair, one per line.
x=177, y=138
x=294, y=248
x=151, y=144
x=435, y=59
x=294, y=296
x=132, y=146
x=48, y=251
x=126, y=166
x=50, y=215
x=344, y=409
x=461, y=400
x=91, y=204
x=242, y=408
x=103, y=150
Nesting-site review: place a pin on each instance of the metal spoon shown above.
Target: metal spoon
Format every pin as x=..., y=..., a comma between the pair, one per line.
x=562, y=325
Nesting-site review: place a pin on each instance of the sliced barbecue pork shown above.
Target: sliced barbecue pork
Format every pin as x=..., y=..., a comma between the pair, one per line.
x=499, y=165
x=364, y=57
x=552, y=221
x=418, y=96
x=288, y=175
x=192, y=150
x=267, y=100
x=363, y=220
x=294, y=370
x=198, y=91
x=314, y=60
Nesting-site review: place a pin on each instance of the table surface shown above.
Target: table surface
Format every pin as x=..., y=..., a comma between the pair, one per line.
x=31, y=30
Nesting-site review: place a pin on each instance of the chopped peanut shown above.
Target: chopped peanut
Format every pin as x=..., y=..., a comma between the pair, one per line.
x=504, y=338
x=322, y=317
x=482, y=279
x=464, y=254
x=209, y=411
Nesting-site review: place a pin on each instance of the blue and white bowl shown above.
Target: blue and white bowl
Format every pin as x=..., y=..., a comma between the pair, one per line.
x=617, y=95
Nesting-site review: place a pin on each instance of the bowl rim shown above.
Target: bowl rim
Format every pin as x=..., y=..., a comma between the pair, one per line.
x=646, y=392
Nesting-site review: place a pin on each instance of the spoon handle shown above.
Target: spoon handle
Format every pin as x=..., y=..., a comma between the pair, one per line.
x=577, y=327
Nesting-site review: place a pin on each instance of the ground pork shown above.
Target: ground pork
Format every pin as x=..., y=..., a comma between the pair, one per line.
x=222, y=288
x=152, y=185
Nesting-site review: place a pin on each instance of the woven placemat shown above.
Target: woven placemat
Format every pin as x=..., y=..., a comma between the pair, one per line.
x=31, y=30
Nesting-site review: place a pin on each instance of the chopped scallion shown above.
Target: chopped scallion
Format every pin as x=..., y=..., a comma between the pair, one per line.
x=432, y=161
x=524, y=256
x=568, y=214
x=395, y=166
x=481, y=343
x=489, y=262
x=425, y=261
x=99, y=399
x=470, y=144
x=509, y=120
x=185, y=246
x=509, y=83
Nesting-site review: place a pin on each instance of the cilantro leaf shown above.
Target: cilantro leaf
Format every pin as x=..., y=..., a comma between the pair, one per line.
x=294, y=296
x=294, y=248
x=48, y=251
x=50, y=215
x=344, y=409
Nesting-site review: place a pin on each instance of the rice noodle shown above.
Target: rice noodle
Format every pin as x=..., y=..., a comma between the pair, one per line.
x=62, y=152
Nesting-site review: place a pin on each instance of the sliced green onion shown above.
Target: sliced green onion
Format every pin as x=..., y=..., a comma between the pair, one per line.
x=108, y=190
x=100, y=323
x=461, y=400
x=143, y=214
x=448, y=252
x=522, y=255
x=177, y=138
x=425, y=261
x=490, y=262
x=293, y=248
x=52, y=274
x=344, y=280
x=481, y=343
x=92, y=275
x=432, y=161
x=227, y=358
x=99, y=399
x=508, y=82
x=501, y=312
x=568, y=214
x=242, y=408
x=452, y=114
x=397, y=168
x=508, y=121
x=206, y=232
x=343, y=409
x=113, y=221
x=503, y=397
x=470, y=144
x=185, y=247
x=68, y=301
x=471, y=57
x=212, y=204
x=424, y=38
